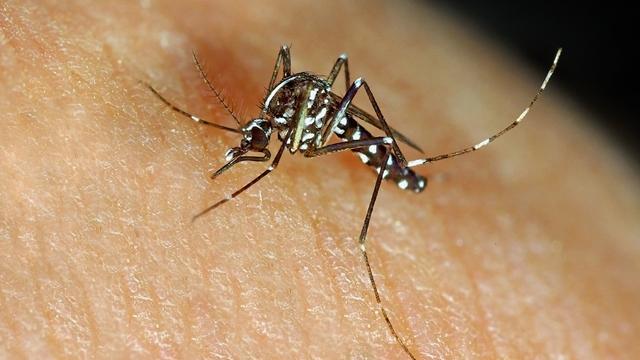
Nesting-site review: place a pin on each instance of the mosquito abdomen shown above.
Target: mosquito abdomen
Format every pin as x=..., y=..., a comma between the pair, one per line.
x=349, y=130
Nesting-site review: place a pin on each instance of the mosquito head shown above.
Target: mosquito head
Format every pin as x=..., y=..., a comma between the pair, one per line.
x=255, y=137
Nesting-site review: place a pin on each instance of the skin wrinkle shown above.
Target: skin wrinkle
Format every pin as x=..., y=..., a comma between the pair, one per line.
x=340, y=302
x=304, y=305
x=476, y=296
x=322, y=258
x=300, y=284
x=313, y=221
x=361, y=177
x=345, y=248
x=88, y=312
x=481, y=312
x=186, y=305
x=7, y=318
x=236, y=304
x=388, y=292
x=161, y=323
x=461, y=296
x=186, y=348
x=54, y=342
x=50, y=338
x=384, y=254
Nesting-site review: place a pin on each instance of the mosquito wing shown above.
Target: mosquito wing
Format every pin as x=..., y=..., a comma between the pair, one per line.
x=366, y=117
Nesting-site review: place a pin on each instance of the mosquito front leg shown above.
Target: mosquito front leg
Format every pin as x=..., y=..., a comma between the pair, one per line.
x=284, y=57
x=190, y=116
x=266, y=155
x=271, y=167
x=342, y=112
x=342, y=60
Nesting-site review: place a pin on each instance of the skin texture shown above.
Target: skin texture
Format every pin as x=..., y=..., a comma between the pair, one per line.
x=527, y=249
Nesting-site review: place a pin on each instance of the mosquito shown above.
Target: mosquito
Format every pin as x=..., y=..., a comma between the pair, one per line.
x=304, y=112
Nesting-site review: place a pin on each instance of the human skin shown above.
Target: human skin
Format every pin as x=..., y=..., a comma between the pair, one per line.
x=526, y=249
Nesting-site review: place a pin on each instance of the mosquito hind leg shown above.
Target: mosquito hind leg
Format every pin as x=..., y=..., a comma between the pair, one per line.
x=343, y=60
x=493, y=137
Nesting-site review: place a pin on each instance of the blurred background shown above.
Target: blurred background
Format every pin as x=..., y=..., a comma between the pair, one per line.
x=599, y=65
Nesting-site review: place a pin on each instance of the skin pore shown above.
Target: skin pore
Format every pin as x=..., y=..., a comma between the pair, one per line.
x=528, y=248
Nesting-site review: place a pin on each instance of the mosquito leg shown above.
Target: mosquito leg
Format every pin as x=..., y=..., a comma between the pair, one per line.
x=271, y=167
x=363, y=250
x=342, y=60
x=265, y=157
x=342, y=112
x=284, y=57
x=491, y=138
x=190, y=116
x=348, y=145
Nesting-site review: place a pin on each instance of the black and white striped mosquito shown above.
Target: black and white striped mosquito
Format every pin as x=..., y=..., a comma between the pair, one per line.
x=304, y=111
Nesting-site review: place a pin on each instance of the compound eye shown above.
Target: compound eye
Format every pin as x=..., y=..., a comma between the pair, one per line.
x=259, y=139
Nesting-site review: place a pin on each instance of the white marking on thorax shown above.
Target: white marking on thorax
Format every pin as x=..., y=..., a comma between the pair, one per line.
x=289, y=112
x=308, y=136
x=309, y=120
x=275, y=91
x=321, y=115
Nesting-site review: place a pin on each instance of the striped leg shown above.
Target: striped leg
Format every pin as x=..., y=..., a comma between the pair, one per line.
x=342, y=112
x=491, y=138
x=343, y=60
x=349, y=145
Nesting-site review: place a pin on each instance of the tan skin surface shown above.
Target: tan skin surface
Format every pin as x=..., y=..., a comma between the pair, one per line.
x=527, y=249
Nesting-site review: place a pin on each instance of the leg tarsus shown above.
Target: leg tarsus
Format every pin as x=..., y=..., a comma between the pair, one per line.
x=363, y=250
x=329, y=149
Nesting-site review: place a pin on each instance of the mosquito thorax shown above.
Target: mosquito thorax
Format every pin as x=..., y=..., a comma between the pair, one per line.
x=302, y=94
